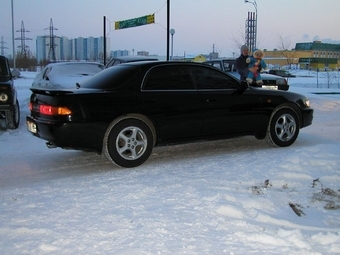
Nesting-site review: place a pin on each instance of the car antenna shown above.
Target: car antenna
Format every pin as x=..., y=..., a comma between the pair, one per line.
x=78, y=85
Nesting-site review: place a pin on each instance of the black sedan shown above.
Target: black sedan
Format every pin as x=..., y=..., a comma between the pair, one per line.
x=126, y=110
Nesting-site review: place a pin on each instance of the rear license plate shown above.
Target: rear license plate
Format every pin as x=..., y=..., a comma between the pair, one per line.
x=32, y=127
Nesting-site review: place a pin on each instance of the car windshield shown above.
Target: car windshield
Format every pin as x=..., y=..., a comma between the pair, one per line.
x=111, y=78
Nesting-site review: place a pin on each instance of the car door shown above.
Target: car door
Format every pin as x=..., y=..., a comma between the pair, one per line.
x=170, y=99
x=226, y=109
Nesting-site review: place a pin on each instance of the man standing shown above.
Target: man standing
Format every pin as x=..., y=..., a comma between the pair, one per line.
x=242, y=65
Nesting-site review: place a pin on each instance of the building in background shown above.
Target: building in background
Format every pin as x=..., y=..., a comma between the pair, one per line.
x=143, y=53
x=312, y=55
x=119, y=53
x=87, y=49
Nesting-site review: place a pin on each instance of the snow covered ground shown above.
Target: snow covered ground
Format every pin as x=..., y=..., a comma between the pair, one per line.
x=238, y=196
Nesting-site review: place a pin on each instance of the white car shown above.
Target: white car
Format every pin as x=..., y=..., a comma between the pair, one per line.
x=269, y=81
x=65, y=74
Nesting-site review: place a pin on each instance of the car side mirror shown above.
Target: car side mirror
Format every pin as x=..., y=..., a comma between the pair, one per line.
x=243, y=85
x=15, y=73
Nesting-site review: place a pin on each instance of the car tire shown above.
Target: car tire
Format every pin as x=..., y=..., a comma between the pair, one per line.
x=13, y=117
x=283, y=128
x=128, y=143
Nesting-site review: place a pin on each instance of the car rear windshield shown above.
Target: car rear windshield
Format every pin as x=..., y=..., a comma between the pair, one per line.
x=111, y=78
x=78, y=68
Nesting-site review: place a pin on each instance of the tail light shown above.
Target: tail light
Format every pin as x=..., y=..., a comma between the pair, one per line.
x=50, y=110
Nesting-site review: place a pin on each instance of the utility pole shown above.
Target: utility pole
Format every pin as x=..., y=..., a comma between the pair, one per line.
x=23, y=38
x=14, y=63
x=51, y=44
x=168, y=31
x=2, y=46
x=104, y=42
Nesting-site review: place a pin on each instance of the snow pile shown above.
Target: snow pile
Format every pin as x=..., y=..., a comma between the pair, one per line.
x=237, y=196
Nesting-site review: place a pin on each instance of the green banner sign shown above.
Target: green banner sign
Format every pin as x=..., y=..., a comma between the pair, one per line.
x=141, y=21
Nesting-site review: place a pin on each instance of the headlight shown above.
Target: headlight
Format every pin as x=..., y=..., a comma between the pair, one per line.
x=307, y=103
x=3, y=97
x=281, y=81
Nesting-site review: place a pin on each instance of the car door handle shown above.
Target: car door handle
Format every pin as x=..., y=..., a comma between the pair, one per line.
x=212, y=100
x=149, y=101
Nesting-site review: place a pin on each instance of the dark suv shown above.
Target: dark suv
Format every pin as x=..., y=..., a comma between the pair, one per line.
x=282, y=73
x=9, y=105
x=229, y=65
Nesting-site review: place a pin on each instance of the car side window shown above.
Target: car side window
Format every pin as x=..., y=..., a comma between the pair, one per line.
x=47, y=71
x=116, y=62
x=217, y=65
x=109, y=63
x=227, y=67
x=207, y=78
x=113, y=62
x=171, y=77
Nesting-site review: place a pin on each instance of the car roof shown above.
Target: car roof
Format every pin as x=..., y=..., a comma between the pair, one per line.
x=268, y=75
x=74, y=62
x=219, y=59
x=133, y=58
x=149, y=64
x=164, y=62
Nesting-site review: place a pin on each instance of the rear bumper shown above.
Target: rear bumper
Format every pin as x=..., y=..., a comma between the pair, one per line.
x=79, y=136
x=6, y=107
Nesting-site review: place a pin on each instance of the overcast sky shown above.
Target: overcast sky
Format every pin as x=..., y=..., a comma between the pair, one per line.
x=198, y=24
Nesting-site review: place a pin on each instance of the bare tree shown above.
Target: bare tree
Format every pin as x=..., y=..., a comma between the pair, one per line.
x=285, y=50
x=25, y=60
x=43, y=62
x=330, y=77
x=238, y=39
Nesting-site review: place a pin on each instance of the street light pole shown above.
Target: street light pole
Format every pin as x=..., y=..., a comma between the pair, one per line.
x=14, y=63
x=172, y=32
x=168, y=31
x=255, y=32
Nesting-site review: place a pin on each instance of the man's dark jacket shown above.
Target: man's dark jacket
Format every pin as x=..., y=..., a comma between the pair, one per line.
x=242, y=67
